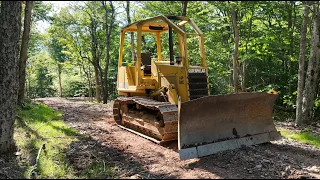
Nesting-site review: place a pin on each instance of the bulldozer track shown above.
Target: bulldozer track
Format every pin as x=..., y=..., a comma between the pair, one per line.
x=147, y=117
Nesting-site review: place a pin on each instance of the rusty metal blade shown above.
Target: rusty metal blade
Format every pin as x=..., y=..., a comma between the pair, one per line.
x=213, y=119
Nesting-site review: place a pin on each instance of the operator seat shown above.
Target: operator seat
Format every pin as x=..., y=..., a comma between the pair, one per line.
x=146, y=62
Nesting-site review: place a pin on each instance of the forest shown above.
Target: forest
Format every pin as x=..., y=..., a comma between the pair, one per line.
x=250, y=46
x=78, y=53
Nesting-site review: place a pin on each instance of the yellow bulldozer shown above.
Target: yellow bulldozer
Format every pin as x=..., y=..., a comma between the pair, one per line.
x=166, y=98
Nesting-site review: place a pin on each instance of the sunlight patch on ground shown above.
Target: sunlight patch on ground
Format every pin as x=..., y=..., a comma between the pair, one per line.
x=305, y=137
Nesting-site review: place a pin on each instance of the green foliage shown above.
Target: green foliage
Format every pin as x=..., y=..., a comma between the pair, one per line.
x=75, y=88
x=39, y=77
x=305, y=137
x=269, y=43
x=290, y=100
x=56, y=51
x=44, y=83
x=40, y=11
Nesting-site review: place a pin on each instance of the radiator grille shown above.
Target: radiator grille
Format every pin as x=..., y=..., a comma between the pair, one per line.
x=198, y=85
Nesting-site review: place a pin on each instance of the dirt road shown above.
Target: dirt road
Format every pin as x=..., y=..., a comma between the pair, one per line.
x=136, y=157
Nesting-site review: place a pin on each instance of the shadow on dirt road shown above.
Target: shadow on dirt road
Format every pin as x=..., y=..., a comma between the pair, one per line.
x=113, y=162
x=263, y=161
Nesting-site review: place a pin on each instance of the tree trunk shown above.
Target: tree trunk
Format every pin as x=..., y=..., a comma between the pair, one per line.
x=291, y=27
x=184, y=5
x=24, y=50
x=109, y=28
x=243, y=76
x=243, y=87
x=288, y=60
x=59, y=76
x=312, y=73
x=90, y=91
x=131, y=34
x=103, y=85
x=97, y=79
x=302, y=60
x=10, y=27
x=88, y=76
x=95, y=59
x=90, y=86
x=235, y=52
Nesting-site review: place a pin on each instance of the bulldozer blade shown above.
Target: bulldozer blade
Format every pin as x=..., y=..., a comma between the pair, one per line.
x=211, y=124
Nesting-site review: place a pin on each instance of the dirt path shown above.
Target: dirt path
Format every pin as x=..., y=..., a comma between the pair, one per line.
x=136, y=157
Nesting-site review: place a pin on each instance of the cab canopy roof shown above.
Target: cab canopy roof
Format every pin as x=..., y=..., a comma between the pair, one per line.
x=158, y=24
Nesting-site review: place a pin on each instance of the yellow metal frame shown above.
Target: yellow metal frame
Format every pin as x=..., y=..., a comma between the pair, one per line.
x=131, y=81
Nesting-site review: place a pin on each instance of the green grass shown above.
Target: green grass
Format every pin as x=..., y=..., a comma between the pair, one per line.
x=305, y=137
x=99, y=170
x=37, y=124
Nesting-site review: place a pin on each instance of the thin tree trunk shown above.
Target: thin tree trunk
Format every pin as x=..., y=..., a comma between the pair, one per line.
x=88, y=76
x=97, y=79
x=24, y=50
x=312, y=73
x=289, y=11
x=235, y=52
x=90, y=91
x=90, y=84
x=184, y=5
x=291, y=27
x=243, y=87
x=95, y=59
x=29, y=87
x=302, y=60
x=103, y=85
x=109, y=28
x=59, y=76
x=131, y=34
x=10, y=28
